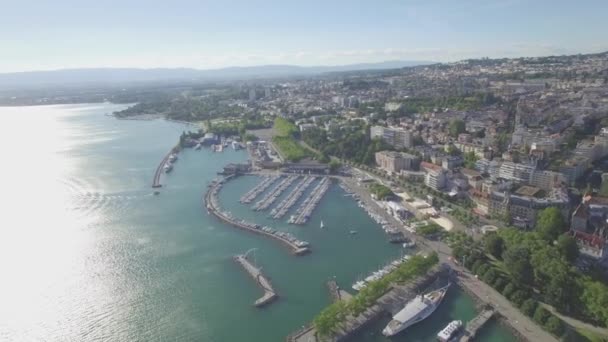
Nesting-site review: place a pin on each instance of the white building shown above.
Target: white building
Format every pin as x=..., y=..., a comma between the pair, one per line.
x=396, y=137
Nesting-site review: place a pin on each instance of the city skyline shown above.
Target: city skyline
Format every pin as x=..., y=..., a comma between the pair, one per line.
x=207, y=35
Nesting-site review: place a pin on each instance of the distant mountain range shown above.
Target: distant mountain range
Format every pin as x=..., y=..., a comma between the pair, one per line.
x=133, y=75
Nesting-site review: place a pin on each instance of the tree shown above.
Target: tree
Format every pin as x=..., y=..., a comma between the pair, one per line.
x=528, y=307
x=567, y=247
x=541, y=315
x=490, y=276
x=550, y=224
x=469, y=160
x=494, y=245
x=456, y=127
x=555, y=326
x=334, y=165
x=508, y=290
x=517, y=262
x=499, y=283
x=518, y=297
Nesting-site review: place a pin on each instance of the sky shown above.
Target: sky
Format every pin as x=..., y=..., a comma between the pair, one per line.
x=59, y=34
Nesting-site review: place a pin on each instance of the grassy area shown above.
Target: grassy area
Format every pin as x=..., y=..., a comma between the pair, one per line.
x=290, y=149
x=588, y=336
x=380, y=191
x=285, y=128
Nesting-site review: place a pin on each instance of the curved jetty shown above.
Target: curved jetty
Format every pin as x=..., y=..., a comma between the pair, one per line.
x=263, y=282
x=160, y=168
x=298, y=247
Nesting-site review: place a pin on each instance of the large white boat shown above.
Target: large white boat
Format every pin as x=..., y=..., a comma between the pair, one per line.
x=450, y=331
x=415, y=311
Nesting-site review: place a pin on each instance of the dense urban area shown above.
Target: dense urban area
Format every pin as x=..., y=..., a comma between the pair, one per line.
x=505, y=159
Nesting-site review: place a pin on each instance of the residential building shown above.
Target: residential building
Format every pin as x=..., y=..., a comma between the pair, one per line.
x=396, y=137
x=451, y=162
x=547, y=180
x=394, y=162
x=434, y=176
x=515, y=171
x=524, y=205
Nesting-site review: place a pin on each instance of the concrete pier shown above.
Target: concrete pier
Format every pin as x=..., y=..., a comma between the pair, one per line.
x=269, y=294
x=474, y=325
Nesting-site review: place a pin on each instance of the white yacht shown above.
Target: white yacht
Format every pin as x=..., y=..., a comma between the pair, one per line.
x=450, y=331
x=322, y=225
x=415, y=311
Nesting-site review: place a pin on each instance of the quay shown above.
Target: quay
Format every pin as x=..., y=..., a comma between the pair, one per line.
x=297, y=247
x=306, y=208
x=159, y=169
x=474, y=325
x=266, y=182
x=281, y=209
x=269, y=199
x=269, y=294
x=389, y=303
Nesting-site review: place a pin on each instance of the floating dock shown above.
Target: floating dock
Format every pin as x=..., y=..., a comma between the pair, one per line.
x=269, y=199
x=250, y=195
x=310, y=203
x=281, y=209
x=269, y=294
x=297, y=247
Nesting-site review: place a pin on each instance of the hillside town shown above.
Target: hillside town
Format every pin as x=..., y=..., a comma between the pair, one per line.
x=510, y=155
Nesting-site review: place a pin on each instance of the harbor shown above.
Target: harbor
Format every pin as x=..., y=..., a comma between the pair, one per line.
x=297, y=247
x=262, y=281
x=305, y=210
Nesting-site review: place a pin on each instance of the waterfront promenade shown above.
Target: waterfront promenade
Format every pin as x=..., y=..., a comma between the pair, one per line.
x=212, y=205
x=256, y=273
x=510, y=314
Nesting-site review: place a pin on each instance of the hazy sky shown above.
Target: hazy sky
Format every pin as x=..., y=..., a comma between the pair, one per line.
x=43, y=34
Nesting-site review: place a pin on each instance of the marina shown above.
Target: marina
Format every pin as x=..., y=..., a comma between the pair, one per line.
x=272, y=196
x=297, y=247
x=250, y=195
x=256, y=273
x=281, y=209
x=303, y=213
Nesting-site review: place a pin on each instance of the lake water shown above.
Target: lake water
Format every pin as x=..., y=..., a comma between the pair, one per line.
x=88, y=253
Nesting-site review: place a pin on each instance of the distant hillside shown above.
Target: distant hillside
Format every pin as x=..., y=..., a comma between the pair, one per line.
x=130, y=75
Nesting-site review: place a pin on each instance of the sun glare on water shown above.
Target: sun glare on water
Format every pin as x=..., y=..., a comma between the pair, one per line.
x=44, y=238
